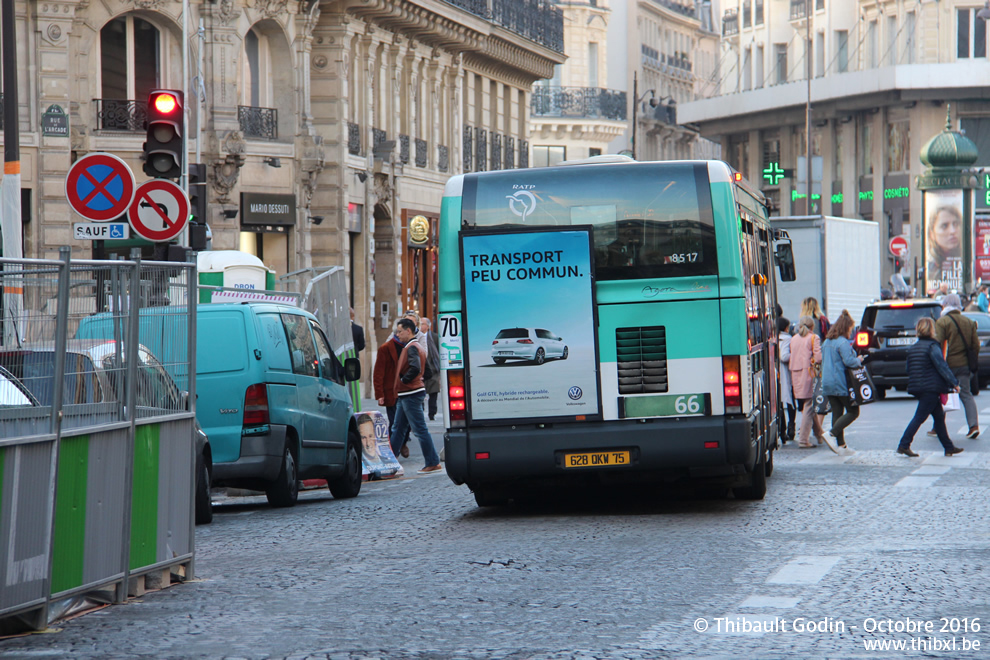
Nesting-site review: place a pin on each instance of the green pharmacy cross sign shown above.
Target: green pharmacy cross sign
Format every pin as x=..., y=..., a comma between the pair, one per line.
x=773, y=174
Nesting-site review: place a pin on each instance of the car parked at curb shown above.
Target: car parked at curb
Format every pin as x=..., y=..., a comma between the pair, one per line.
x=983, y=332
x=533, y=344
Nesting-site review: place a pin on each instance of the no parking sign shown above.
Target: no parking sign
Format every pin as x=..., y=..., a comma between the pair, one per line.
x=99, y=187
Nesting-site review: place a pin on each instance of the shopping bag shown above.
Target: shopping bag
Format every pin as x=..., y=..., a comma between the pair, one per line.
x=861, y=391
x=818, y=398
x=951, y=402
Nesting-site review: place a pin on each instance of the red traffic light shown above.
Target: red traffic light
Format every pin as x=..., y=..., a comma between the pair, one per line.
x=165, y=103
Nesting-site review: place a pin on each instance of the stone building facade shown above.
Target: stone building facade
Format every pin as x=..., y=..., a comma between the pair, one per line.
x=356, y=113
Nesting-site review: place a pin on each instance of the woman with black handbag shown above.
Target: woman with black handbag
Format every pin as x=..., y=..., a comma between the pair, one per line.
x=929, y=377
x=837, y=355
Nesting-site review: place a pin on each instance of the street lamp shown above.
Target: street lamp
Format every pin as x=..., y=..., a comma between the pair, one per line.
x=637, y=99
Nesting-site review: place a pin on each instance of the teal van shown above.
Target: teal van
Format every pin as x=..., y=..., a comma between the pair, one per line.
x=271, y=396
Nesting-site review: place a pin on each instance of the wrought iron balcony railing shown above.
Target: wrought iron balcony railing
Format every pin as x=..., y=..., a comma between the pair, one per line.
x=523, y=154
x=578, y=102
x=509, y=153
x=353, y=139
x=683, y=8
x=496, y=162
x=468, y=153
x=403, y=149
x=258, y=122
x=730, y=22
x=443, y=159
x=422, y=155
x=539, y=20
x=480, y=150
x=127, y=116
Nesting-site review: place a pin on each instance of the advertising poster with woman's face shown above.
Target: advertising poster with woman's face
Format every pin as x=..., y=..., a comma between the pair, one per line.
x=945, y=236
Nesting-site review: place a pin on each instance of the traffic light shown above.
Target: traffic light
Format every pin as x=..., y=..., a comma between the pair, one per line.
x=163, y=150
x=197, y=206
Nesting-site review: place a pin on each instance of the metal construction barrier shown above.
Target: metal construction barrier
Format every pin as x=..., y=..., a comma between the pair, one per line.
x=97, y=448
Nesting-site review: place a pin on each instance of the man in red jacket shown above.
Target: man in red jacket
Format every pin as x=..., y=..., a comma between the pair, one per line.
x=410, y=393
x=384, y=380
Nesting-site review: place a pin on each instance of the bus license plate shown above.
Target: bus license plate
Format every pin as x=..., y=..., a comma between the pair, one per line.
x=596, y=459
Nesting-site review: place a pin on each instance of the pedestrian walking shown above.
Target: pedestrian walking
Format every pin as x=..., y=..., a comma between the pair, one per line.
x=357, y=333
x=433, y=356
x=410, y=392
x=982, y=301
x=804, y=365
x=786, y=394
x=413, y=316
x=837, y=356
x=384, y=382
x=809, y=307
x=929, y=377
x=956, y=332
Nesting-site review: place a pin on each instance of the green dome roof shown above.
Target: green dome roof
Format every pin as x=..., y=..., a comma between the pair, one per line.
x=949, y=149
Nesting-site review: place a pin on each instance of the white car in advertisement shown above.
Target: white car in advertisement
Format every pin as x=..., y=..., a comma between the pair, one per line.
x=533, y=344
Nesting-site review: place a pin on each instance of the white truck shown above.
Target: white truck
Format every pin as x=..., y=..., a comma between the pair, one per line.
x=838, y=262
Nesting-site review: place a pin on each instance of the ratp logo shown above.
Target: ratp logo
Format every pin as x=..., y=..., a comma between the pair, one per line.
x=522, y=203
x=575, y=393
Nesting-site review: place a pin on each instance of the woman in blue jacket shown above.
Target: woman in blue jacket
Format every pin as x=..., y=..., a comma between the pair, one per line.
x=837, y=355
x=928, y=378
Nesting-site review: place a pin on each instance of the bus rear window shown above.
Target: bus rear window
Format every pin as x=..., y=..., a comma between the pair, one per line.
x=649, y=220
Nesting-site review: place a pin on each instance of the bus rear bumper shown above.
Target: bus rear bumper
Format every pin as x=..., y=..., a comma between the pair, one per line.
x=697, y=447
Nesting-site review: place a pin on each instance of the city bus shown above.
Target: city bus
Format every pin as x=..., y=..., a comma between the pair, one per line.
x=608, y=321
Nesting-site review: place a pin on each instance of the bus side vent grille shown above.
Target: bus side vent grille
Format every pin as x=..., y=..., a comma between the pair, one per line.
x=642, y=359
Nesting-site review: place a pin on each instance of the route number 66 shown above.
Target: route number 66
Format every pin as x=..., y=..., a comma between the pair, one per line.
x=688, y=404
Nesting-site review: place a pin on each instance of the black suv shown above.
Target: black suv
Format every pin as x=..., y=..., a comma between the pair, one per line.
x=884, y=336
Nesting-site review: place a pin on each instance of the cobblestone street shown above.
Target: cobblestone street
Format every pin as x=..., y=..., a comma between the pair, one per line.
x=412, y=568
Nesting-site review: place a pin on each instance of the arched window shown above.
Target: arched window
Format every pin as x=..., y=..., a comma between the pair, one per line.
x=256, y=90
x=130, y=67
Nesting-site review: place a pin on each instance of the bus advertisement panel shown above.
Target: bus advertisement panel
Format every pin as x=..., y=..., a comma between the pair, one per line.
x=529, y=314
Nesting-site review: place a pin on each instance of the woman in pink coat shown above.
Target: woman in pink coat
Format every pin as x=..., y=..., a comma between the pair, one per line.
x=806, y=351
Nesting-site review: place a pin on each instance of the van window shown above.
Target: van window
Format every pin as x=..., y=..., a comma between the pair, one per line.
x=331, y=367
x=301, y=345
x=276, y=344
x=221, y=343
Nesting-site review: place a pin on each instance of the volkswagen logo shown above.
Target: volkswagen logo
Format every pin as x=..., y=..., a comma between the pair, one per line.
x=575, y=393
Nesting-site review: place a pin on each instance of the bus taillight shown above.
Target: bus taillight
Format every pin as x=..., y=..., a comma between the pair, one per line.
x=731, y=384
x=456, y=403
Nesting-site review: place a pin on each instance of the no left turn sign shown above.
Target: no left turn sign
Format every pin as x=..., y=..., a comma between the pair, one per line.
x=160, y=210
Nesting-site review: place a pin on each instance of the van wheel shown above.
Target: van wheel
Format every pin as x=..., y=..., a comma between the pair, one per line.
x=541, y=356
x=564, y=355
x=348, y=484
x=757, y=488
x=204, y=506
x=498, y=360
x=284, y=491
x=768, y=468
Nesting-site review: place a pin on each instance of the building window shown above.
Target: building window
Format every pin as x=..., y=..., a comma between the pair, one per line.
x=546, y=156
x=866, y=148
x=739, y=153
x=871, y=45
x=890, y=54
x=909, y=26
x=747, y=69
x=781, y=52
x=594, y=151
x=771, y=150
x=820, y=55
x=898, y=141
x=256, y=71
x=971, y=34
x=760, y=59
x=758, y=13
x=130, y=62
x=842, y=48
x=747, y=13
x=592, y=64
